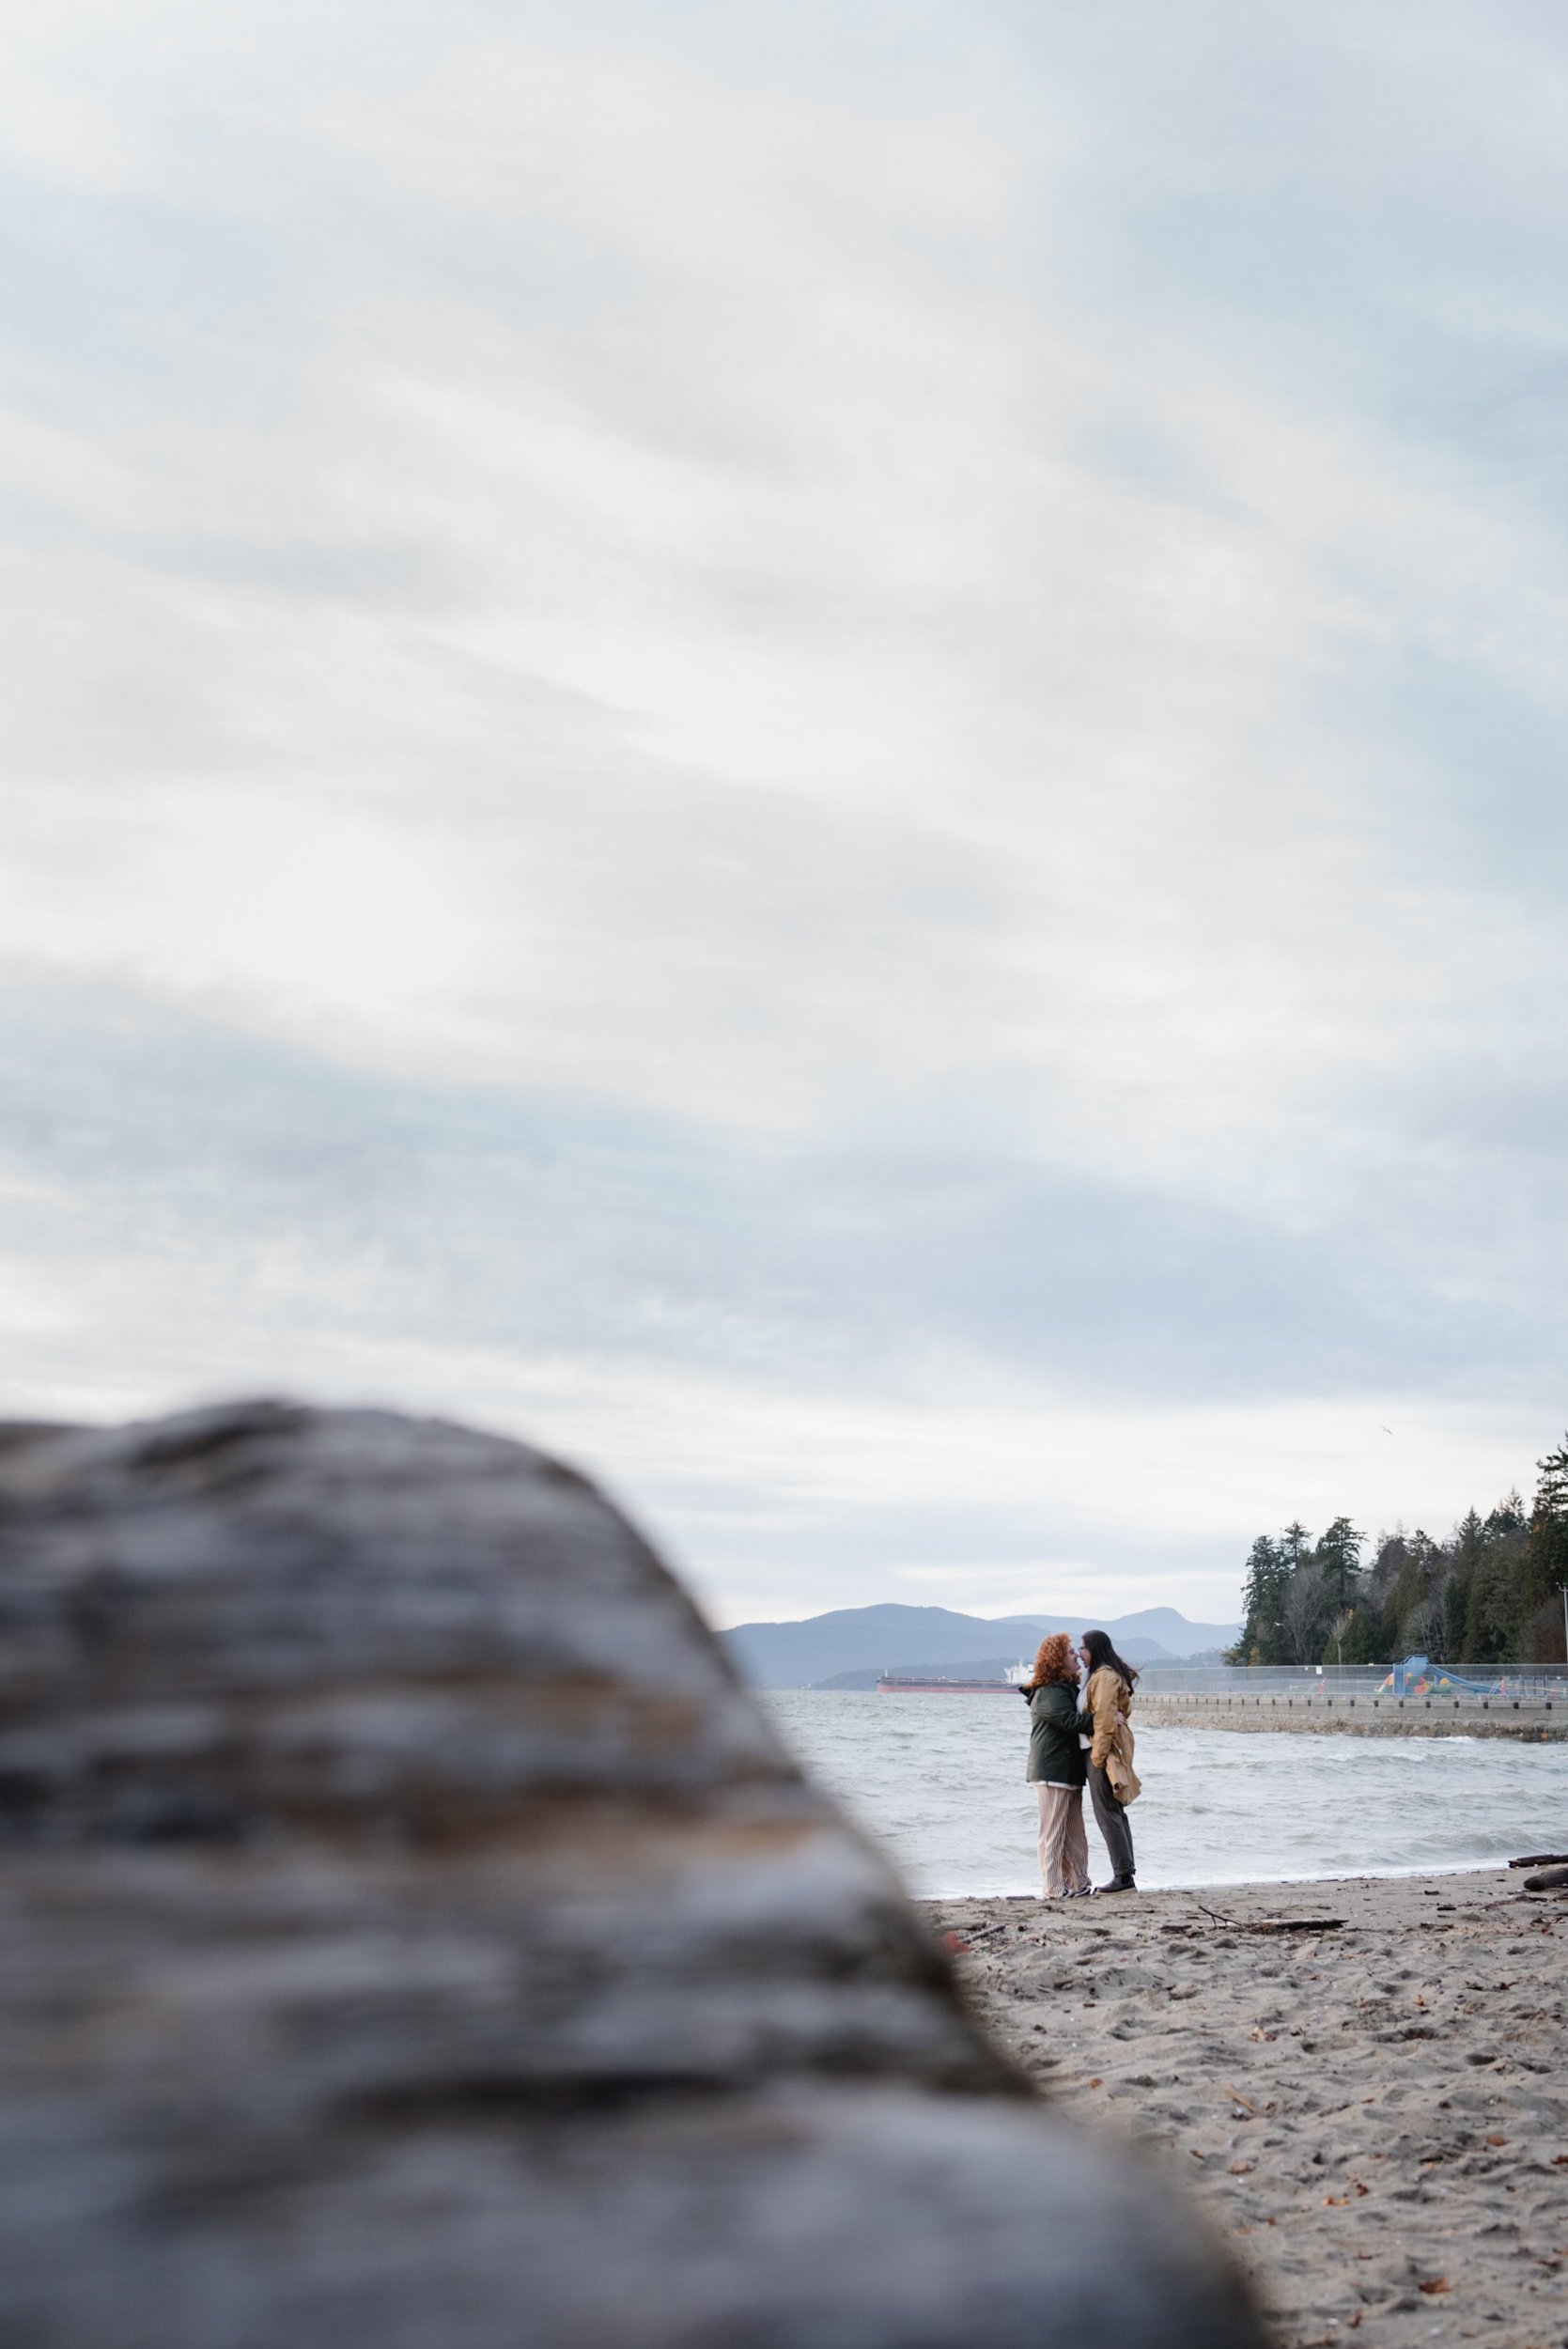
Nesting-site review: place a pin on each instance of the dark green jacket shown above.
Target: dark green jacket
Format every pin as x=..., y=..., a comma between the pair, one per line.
x=1055, y=1721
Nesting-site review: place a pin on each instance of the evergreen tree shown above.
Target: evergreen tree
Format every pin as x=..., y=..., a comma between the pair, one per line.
x=1407, y=1611
x=1491, y=1594
x=1466, y=1550
x=1455, y=1602
x=1338, y=1560
x=1543, y=1563
x=1363, y=1641
x=1552, y=1491
x=1388, y=1559
x=1262, y=1640
x=1491, y=1614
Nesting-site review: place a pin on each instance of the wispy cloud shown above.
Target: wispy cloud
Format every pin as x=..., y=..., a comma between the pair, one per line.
x=852, y=712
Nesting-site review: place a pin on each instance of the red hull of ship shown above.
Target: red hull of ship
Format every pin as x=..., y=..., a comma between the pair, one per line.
x=944, y=1688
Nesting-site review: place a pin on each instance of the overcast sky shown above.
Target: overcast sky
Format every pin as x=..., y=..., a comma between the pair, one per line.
x=818, y=750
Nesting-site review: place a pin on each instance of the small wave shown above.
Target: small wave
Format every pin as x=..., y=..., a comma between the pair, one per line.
x=1218, y=1808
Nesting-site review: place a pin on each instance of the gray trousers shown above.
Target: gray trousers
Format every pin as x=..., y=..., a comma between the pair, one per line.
x=1111, y=1818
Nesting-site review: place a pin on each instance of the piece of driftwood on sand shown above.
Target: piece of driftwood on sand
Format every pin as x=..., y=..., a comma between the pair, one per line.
x=1260, y=1925
x=412, y=1934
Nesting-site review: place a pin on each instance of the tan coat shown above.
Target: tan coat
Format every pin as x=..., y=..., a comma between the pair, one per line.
x=1112, y=1746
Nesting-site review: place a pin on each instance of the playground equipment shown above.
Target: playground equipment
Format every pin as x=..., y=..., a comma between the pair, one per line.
x=1418, y=1677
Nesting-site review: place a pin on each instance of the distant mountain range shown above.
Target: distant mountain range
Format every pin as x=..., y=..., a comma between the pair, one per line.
x=852, y=1644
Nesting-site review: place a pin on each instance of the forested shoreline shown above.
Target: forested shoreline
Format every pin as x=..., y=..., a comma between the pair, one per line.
x=1490, y=1593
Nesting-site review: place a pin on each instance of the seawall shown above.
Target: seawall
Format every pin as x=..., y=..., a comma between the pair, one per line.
x=1362, y=1716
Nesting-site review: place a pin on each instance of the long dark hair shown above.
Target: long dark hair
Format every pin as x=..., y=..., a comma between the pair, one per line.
x=1102, y=1655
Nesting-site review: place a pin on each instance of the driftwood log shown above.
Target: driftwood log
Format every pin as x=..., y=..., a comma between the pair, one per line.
x=411, y=1934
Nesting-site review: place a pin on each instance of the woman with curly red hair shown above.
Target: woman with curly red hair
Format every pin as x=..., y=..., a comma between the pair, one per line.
x=1056, y=1767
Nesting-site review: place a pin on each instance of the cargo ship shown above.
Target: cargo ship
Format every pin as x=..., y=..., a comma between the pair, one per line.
x=931, y=1684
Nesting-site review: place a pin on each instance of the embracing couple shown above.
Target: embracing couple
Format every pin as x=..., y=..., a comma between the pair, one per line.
x=1067, y=1743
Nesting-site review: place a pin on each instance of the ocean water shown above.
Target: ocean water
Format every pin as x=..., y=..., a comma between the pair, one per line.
x=937, y=1782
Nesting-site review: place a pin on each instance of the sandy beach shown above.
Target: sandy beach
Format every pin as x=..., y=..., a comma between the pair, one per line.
x=1371, y=2105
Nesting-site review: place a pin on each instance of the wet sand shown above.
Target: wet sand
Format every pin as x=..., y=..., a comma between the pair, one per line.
x=1375, y=2115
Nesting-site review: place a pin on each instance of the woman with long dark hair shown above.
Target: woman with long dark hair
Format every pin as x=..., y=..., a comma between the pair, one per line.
x=1112, y=1782
x=1056, y=1767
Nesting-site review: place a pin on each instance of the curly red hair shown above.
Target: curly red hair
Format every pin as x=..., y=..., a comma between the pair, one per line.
x=1053, y=1660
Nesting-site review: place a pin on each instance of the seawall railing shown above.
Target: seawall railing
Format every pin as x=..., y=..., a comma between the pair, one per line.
x=1513, y=1701
x=1477, y=1683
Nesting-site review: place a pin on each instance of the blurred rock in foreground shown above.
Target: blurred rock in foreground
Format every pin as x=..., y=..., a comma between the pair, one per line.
x=412, y=1935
